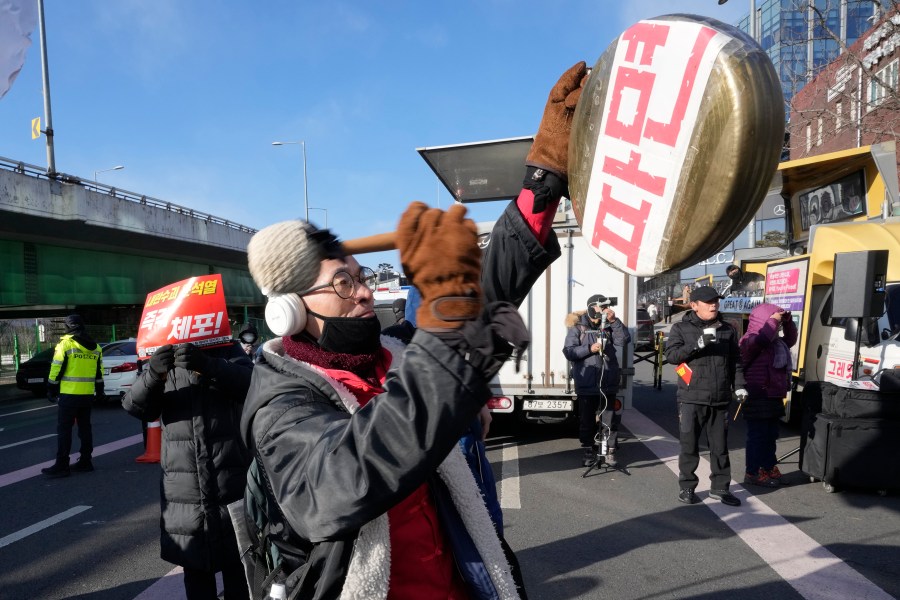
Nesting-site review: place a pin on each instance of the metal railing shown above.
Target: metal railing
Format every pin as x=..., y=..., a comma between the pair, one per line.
x=41, y=173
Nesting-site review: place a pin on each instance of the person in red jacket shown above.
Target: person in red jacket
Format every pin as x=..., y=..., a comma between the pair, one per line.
x=765, y=352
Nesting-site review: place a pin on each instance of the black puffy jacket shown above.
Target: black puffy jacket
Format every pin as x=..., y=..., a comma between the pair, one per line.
x=333, y=474
x=588, y=367
x=204, y=463
x=716, y=369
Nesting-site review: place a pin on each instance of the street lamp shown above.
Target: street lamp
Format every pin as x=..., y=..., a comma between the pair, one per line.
x=324, y=210
x=116, y=168
x=305, y=196
x=751, y=29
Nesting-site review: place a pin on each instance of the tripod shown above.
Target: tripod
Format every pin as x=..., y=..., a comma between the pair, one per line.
x=602, y=439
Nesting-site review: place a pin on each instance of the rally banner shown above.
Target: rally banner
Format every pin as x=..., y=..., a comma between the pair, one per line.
x=191, y=310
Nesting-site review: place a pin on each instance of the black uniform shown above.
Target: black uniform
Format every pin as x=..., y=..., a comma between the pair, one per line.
x=716, y=370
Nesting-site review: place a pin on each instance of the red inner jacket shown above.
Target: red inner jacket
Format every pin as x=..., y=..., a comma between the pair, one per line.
x=422, y=563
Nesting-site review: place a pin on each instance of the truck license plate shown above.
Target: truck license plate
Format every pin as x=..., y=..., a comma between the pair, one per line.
x=36, y=380
x=547, y=405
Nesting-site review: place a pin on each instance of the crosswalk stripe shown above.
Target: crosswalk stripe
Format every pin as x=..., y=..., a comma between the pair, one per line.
x=813, y=571
x=23, y=533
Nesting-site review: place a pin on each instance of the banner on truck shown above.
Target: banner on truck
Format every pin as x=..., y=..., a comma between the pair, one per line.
x=786, y=287
x=191, y=310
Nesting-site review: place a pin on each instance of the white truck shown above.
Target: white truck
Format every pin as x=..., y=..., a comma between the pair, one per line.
x=542, y=390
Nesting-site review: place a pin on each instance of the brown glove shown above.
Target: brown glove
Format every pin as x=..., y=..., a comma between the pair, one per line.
x=440, y=255
x=550, y=150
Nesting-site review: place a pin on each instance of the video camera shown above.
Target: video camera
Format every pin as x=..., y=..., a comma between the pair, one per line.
x=597, y=303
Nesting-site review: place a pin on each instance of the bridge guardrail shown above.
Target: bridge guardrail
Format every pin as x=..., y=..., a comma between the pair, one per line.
x=41, y=173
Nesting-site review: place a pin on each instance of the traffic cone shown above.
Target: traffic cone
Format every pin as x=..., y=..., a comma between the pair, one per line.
x=154, y=443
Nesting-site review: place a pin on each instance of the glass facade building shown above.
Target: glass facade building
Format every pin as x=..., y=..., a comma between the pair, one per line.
x=801, y=39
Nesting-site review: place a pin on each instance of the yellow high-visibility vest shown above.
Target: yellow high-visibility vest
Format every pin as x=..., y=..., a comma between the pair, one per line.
x=84, y=368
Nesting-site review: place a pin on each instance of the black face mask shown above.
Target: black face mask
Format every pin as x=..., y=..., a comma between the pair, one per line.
x=349, y=335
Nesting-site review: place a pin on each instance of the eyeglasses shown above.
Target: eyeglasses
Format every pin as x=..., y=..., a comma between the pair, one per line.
x=344, y=284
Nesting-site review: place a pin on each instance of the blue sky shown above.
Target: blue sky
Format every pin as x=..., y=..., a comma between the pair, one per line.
x=189, y=95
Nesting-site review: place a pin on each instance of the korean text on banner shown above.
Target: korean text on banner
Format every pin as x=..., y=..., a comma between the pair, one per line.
x=191, y=310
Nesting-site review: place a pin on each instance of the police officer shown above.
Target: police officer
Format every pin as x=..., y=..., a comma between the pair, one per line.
x=76, y=377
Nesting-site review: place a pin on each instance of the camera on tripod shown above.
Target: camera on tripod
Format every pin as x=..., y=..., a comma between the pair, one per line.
x=596, y=310
x=598, y=303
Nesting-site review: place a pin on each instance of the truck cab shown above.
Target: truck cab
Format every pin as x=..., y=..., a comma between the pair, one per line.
x=843, y=211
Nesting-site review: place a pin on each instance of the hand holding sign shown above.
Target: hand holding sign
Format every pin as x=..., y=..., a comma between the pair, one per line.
x=190, y=357
x=162, y=361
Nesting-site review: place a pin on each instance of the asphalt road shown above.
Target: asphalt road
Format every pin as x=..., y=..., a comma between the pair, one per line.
x=609, y=535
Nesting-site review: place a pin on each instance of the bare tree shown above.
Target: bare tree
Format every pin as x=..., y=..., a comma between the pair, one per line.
x=840, y=95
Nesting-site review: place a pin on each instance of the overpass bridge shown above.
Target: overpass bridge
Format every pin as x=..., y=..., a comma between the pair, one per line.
x=68, y=244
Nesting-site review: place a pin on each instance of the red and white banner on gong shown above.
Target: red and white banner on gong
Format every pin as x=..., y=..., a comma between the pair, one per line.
x=657, y=84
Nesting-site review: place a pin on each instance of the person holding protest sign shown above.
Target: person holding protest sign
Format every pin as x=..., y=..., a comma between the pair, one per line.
x=355, y=436
x=198, y=394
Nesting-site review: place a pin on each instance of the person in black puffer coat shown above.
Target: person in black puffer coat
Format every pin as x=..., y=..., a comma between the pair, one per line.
x=198, y=395
x=704, y=350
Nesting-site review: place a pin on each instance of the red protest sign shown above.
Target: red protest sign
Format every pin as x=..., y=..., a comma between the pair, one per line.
x=191, y=310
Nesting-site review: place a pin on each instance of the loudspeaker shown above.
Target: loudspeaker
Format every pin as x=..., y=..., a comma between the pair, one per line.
x=859, y=279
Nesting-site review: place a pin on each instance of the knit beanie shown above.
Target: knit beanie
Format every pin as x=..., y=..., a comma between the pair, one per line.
x=285, y=257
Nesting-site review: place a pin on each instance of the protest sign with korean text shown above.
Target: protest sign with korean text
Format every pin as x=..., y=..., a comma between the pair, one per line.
x=191, y=310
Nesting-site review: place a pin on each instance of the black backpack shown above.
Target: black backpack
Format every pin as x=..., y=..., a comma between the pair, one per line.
x=261, y=557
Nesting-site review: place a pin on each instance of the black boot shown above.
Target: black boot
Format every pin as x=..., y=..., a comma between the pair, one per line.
x=589, y=455
x=59, y=469
x=83, y=465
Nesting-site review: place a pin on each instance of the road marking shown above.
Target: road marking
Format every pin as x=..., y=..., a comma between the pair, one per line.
x=171, y=587
x=23, y=533
x=28, y=472
x=509, y=478
x=43, y=437
x=28, y=410
x=809, y=568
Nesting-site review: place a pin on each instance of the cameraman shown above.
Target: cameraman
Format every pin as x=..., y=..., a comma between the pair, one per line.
x=590, y=347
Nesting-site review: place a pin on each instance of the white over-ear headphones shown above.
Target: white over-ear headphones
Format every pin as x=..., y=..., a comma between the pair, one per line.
x=285, y=314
